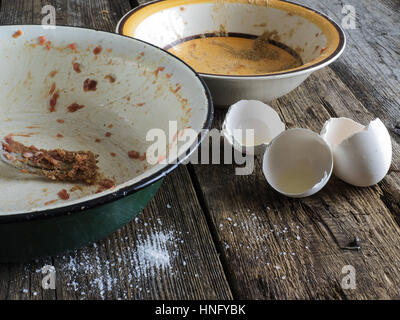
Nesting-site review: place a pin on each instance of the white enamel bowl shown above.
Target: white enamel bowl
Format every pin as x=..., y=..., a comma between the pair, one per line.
x=139, y=88
x=311, y=35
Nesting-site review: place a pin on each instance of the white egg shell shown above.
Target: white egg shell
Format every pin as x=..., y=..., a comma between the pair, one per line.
x=362, y=154
x=304, y=156
x=256, y=115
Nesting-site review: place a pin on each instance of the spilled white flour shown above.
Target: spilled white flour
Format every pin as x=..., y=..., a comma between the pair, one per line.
x=126, y=269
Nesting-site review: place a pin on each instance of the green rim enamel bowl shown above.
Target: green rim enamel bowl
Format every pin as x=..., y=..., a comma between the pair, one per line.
x=135, y=92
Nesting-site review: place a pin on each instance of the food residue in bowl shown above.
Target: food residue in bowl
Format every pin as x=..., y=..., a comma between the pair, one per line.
x=57, y=164
x=236, y=54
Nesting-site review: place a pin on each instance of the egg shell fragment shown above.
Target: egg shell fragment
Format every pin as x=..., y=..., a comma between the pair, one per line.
x=362, y=154
x=251, y=114
x=305, y=154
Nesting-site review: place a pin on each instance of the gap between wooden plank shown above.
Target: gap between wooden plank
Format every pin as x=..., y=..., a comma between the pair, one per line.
x=213, y=231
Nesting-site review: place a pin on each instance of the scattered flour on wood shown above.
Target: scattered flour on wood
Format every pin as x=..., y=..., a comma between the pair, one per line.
x=128, y=267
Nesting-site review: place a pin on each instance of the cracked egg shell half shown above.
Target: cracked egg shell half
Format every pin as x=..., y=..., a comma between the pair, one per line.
x=250, y=125
x=362, y=154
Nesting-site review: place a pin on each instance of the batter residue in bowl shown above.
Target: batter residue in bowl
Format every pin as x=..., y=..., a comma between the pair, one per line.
x=236, y=55
x=57, y=164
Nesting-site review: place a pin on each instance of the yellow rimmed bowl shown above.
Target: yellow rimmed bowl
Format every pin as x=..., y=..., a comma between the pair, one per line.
x=302, y=32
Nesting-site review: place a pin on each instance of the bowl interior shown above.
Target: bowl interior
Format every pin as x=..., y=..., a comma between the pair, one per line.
x=139, y=88
x=298, y=30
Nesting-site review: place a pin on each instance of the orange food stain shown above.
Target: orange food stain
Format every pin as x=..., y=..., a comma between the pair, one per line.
x=168, y=75
x=77, y=187
x=74, y=107
x=110, y=78
x=72, y=46
x=141, y=104
x=178, y=87
x=48, y=45
x=158, y=70
x=53, y=73
x=97, y=50
x=50, y=202
x=53, y=87
x=89, y=85
x=133, y=154
x=63, y=194
x=108, y=134
x=17, y=33
x=53, y=101
x=42, y=40
x=60, y=120
x=59, y=135
x=77, y=67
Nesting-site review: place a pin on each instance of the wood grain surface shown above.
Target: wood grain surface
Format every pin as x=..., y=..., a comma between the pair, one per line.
x=216, y=235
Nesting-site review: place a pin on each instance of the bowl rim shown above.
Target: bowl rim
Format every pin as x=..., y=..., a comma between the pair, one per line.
x=130, y=189
x=276, y=75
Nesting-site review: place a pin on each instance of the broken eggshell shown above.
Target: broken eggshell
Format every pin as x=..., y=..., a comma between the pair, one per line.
x=298, y=163
x=251, y=114
x=362, y=154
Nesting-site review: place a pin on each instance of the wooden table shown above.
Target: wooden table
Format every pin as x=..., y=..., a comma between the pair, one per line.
x=209, y=234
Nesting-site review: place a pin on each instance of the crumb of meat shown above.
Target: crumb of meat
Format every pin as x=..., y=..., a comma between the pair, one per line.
x=105, y=184
x=108, y=134
x=77, y=67
x=63, y=194
x=74, y=107
x=53, y=101
x=89, y=85
x=57, y=164
x=97, y=50
x=136, y=155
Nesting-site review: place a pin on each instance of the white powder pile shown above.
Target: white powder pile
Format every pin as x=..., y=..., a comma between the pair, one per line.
x=153, y=253
x=126, y=268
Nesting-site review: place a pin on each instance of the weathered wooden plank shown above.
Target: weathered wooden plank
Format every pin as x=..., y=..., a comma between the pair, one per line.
x=370, y=65
x=274, y=247
x=167, y=253
x=279, y=248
